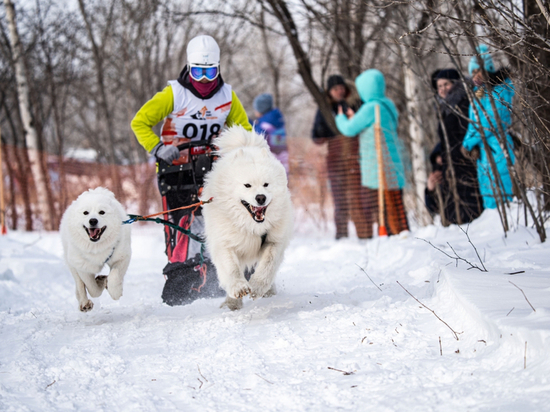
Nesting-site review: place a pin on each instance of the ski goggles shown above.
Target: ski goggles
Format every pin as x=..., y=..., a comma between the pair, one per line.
x=198, y=73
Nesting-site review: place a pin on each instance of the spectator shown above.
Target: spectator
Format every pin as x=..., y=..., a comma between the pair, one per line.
x=342, y=161
x=270, y=122
x=453, y=105
x=371, y=86
x=484, y=132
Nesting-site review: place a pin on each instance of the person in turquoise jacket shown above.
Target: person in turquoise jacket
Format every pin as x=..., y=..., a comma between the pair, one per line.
x=371, y=86
x=496, y=84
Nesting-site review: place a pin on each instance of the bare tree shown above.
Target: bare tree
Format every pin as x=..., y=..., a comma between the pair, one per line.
x=98, y=53
x=31, y=137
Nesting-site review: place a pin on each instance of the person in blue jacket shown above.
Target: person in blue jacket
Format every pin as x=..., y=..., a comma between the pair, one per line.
x=490, y=83
x=371, y=86
x=270, y=123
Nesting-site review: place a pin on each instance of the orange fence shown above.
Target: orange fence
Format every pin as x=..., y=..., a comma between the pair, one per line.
x=327, y=195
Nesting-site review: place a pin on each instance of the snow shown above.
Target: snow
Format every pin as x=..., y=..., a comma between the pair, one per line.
x=342, y=333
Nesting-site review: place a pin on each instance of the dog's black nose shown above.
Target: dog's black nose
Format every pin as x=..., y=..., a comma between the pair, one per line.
x=260, y=199
x=93, y=222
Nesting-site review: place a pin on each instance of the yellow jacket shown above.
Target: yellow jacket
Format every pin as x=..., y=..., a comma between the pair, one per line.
x=162, y=104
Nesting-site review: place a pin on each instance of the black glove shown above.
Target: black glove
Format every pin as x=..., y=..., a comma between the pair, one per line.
x=168, y=153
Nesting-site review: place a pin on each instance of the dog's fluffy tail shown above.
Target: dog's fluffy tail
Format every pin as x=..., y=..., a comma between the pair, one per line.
x=237, y=136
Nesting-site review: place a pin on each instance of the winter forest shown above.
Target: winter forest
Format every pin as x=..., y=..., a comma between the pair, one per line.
x=450, y=315
x=89, y=66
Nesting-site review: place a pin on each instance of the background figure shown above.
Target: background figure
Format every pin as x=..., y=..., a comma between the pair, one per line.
x=270, y=122
x=195, y=108
x=453, y=105
x=490, y=84
x=371, y=86
x=342, y=162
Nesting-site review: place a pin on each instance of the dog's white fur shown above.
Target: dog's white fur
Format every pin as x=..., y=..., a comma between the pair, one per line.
x=85, y=257
x=245, y=170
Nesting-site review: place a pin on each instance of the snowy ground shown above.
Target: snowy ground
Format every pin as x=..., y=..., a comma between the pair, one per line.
x=332, y=339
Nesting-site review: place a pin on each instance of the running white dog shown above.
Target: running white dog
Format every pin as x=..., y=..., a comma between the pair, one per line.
x=248, y=224
x=93, y=235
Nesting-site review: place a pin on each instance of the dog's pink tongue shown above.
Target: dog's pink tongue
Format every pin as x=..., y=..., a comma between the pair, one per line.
x=259, y=212
x=94, y=233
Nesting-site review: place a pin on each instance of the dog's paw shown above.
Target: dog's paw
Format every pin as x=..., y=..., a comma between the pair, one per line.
x=232, y=304
x=239, y=289
x=101, y=282
x=114, y=289
x=261, y=289
x=86, y=306
x=271, y=292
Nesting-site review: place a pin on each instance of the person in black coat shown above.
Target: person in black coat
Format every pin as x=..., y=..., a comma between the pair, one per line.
x=452, y=107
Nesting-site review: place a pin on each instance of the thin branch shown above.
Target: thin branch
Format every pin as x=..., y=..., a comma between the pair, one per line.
x=455, y=257
x=445, y=323
x=201, y=373
x=547, y=17
x=264, y=379
x=364, y=271
x=338, y=370
x=475, y=249
x=534, y=310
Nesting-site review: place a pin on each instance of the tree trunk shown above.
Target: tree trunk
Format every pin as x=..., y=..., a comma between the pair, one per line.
x=420, y=176
x=31, y=137
x=281, y=12
x=2, y=204
x=104, y=104
x=539, y=90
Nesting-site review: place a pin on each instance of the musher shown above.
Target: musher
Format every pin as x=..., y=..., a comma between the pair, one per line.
x=195, y=108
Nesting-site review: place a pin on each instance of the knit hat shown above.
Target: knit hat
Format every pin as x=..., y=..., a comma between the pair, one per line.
x=263, y=103
x=449, y=74
x=483, y=53
x=335, y=80
x=203, y=50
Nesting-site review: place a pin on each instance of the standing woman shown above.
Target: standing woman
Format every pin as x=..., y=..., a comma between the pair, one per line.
x=453, y=108
x=342, y=161
x=491, y=84
x=371, y=87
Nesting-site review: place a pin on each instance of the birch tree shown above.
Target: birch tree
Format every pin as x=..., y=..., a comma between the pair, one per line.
x=31, y=136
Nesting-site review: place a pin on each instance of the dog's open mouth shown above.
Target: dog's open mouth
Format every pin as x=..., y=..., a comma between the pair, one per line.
x=257, y=212
x=95, y=232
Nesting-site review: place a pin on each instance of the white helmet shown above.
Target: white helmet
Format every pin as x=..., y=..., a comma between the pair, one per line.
x=203, y=50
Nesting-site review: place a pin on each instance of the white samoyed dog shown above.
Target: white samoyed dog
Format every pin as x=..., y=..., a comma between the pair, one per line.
x=93, y=235
x=249, y=222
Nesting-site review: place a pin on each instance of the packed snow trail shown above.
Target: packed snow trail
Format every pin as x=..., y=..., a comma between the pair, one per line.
x=331, y=338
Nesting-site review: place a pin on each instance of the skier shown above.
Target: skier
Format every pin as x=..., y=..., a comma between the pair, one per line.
x=195, y=108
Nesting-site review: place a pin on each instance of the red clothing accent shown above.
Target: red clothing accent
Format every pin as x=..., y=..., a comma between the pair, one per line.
x=204, y=88
x=179, y=254
x=223, y=105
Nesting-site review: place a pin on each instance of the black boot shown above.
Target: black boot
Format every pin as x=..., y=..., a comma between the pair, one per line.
x=185, y=283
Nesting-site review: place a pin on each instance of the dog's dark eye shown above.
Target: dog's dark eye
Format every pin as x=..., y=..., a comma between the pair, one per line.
x=85, y=213
x=247, y=185
x=266, y=184
x=101, y=212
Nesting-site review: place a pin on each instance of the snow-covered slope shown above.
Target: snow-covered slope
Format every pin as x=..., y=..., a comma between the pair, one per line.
x=342, y=334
